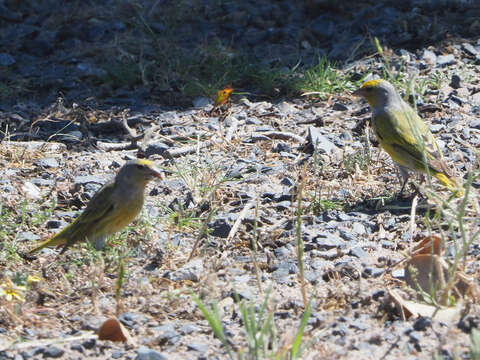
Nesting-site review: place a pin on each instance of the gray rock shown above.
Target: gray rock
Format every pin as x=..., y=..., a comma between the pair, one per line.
x=49, y=162
x=435, y=128
x=201, y=102
x=188, y=329
x=456, y=81
x=283, y=205
x=359, y=252
x=429, y=57
x=201, y=348
x=190, y=271
x=117, y=354
x=144, y=353
x=372, y=272
x=475, y=123
x=88, y=179
x=89, y=344
x=326, y=241
x=131, y=319
x=52, y=352
x=445, y=60
x=287, y=181
x=338, y=106
x=220, y=228
x=27, y=236
x=43, y=182
x=469, y=49
x=319, y=142
x=6, y=59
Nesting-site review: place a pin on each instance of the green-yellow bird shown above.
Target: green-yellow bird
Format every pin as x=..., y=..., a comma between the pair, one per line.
x=112, y=208
x=403, y=134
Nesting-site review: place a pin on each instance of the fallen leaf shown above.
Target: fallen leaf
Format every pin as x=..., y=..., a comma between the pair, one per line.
x=223, y=96
x=408, y=308
x=424, y=246
x=113, y=330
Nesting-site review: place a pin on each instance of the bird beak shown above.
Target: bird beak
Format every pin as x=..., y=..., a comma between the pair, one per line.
x=156, y=172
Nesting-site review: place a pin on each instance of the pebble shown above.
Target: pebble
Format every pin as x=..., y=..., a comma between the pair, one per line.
x=53, y=352
x=220, y=228
x=47, y=163
x=192, y=271
x=319, y=142
x=201, y=348
x=429, y=57
x=144, y=353
x=445, y=60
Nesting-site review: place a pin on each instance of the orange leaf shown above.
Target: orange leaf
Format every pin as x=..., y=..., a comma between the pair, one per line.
x=112, y=330
x=425, y=244
x=223, y=95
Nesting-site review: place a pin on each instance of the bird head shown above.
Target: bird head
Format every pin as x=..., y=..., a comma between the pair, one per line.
x=139, y=171
x=377, y=92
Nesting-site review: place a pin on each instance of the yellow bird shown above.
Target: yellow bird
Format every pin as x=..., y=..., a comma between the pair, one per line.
x=403, y=134
x=112, y=208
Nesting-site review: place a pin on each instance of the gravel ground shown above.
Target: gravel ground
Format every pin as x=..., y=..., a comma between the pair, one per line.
x=244, y=163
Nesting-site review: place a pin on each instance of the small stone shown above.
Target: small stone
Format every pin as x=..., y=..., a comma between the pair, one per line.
x=372, y=272
x=456, y=81
x=282, y=147
x=118, y=354
x=338, y=106
x=77, y=347
x=328, y=241
x=201, y=102
x=144, y=353
x=283, y=205
x=358, y=252
x=435, y=128
x=387, y=244
x=469, y=49
x=47, y=163
x=52, y=352
x=27, y=236
x=287, y=181
x=89, y=344
x=415, y=336
x=188, y=329
x=83, y=180
x=475, y=123
x=31, y=191
x=220, y=228
x=429, y=57
x=201, y=348
x=422, y=323
x=359, y=228
x=319, y=142
x=190, y=271
x=445, y=60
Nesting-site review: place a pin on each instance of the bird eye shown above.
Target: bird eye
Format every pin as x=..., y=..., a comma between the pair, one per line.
x=139, y=167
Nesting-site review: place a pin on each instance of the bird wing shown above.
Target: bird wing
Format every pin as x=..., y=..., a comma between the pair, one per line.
x=99, y=207
x=98, y=211
x=406, y=138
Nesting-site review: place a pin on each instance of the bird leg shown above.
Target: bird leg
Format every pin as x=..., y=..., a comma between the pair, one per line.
x=402, y=177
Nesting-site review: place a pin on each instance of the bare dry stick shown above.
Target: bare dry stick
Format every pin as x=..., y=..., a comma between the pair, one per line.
x=301, y=273
x=240, y=217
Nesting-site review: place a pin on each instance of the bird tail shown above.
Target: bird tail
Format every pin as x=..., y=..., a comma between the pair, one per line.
x=450, y=183
x=55, y=240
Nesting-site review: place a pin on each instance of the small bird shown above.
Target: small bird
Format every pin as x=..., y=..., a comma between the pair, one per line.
x=112, y=208
x=403, y=134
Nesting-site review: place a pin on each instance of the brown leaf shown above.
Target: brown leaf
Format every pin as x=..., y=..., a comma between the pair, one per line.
x=113, y=330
